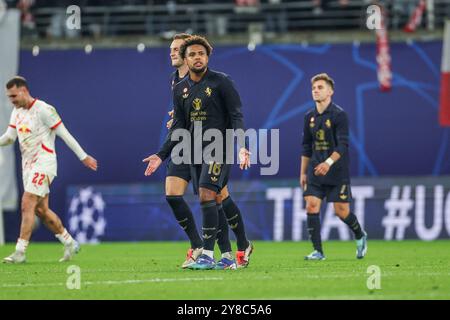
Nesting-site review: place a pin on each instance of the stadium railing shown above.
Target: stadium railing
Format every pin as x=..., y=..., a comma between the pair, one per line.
x=224, y=18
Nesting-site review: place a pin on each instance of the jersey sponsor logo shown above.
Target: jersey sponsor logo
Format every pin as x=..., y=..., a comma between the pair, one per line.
x=197, y=104
x=208, y=91
x=321, y=144
x=24, y=129
x=320, y=135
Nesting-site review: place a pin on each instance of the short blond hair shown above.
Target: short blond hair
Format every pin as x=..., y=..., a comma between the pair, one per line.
x=182, y=36
x=325, y=77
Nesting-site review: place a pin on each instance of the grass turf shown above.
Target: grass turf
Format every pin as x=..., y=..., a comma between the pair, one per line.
x=409, y=270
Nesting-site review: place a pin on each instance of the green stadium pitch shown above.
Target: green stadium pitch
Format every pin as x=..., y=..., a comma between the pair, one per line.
x=277, y=271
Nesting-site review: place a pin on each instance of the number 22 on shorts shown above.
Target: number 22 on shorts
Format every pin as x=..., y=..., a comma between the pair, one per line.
x=38, y=178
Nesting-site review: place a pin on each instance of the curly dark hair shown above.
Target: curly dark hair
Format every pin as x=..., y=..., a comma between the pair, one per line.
x=193, y=40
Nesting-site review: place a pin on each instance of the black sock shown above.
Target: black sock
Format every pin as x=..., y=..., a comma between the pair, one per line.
x=353, y=223
x=185, y=219
x=236, y=222
x=313, y=223
x=210, y=224
x=223, y=233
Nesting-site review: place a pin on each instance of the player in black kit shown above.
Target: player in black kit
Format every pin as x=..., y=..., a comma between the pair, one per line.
x=208, y=99
x=177, y=179
x=179, y=175
x=325, y=165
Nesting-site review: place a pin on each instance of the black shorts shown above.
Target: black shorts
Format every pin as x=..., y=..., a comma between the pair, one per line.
x=182, y=171
x=212, y=176
x=338, y=193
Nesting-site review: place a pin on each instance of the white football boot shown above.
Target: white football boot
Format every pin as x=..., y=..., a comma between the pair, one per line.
x=16, y=257
x=70, y=250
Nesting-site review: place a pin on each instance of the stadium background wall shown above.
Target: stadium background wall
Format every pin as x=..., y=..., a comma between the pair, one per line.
x=115, y=101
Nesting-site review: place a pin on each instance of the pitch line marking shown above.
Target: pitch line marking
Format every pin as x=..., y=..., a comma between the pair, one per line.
x=110, y=282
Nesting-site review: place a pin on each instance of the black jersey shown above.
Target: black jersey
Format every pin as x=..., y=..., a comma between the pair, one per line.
x=212, y=102
x=175, y=78
x=322, y=135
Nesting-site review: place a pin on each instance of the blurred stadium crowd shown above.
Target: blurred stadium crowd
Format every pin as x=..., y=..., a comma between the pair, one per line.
x=46, y=18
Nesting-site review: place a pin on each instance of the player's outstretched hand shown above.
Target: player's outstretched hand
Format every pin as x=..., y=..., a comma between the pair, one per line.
x=153, y=163
x=244, y=159
x=91, y=163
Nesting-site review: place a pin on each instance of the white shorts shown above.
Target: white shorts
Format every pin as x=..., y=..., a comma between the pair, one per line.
x=36, y=182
